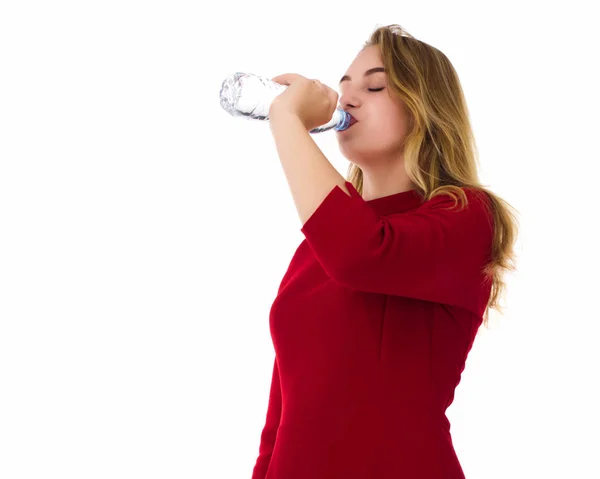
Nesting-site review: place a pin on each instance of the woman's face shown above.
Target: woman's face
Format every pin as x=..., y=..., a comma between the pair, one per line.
x=382, y=120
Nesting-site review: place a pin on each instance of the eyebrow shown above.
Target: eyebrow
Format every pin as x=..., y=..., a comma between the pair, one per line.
x=367, y=73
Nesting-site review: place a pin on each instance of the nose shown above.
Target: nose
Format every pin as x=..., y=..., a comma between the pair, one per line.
x=348, y=100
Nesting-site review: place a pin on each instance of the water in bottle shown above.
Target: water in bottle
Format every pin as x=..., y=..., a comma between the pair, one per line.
x=250, y=96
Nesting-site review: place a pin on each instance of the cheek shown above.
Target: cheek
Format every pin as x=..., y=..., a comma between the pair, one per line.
x=389, y=130
x=390, y=121
x=398, y=120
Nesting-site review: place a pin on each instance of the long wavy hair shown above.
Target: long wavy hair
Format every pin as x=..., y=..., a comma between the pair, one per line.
x=440, y=153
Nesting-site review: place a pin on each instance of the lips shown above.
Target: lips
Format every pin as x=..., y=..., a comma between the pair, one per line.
x=352, y=121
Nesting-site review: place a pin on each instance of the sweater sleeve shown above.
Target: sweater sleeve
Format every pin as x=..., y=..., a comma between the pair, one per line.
x=430, y=253
x=269, y=432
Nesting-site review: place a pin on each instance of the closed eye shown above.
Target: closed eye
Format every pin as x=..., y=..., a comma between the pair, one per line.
x=375, y=89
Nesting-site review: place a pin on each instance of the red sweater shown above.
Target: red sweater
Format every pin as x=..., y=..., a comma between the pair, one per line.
x=371, y=327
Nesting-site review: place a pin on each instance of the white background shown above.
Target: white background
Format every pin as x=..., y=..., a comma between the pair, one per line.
x=144, y=231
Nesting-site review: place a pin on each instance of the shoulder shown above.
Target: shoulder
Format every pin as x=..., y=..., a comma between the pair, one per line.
x=461, y=203
x=460, y=197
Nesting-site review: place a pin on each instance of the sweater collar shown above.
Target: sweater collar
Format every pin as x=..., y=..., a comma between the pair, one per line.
x=390, y=204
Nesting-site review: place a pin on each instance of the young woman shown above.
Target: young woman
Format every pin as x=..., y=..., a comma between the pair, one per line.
x=382, y=301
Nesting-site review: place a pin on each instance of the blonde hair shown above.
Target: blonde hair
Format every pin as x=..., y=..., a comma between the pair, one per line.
x=440, y=154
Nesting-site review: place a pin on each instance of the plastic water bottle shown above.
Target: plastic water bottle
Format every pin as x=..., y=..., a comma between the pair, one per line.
x=250, y=96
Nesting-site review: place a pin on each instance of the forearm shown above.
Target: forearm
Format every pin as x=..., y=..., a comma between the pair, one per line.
x=309, y=173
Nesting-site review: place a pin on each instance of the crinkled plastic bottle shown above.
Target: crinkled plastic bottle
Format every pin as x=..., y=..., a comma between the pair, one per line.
x=250, y=96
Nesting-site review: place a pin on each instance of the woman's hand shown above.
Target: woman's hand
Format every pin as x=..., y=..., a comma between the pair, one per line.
x=309, y=100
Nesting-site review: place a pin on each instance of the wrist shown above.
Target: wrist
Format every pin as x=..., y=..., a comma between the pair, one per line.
x=277, y=116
